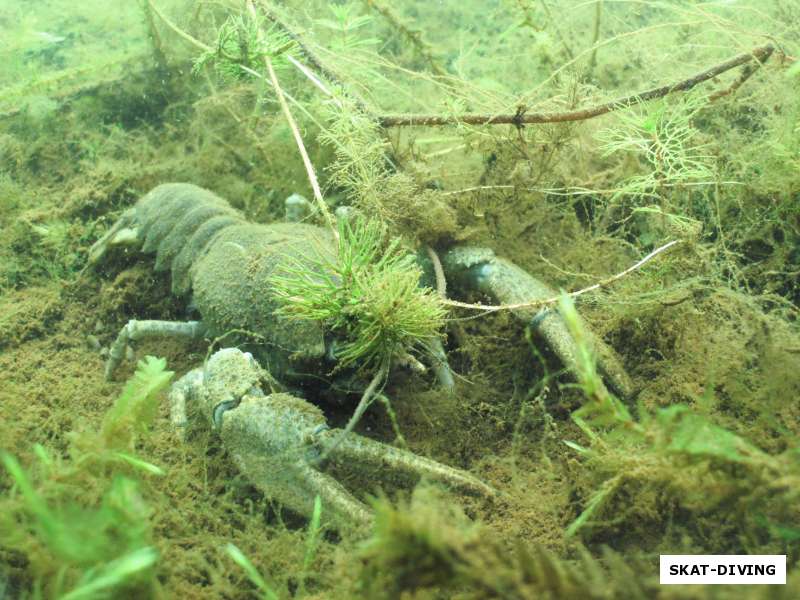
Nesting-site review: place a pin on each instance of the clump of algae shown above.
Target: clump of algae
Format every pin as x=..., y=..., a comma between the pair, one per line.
x=82, y=522
x=677, y=463
x=425, y=545
x=370, y=296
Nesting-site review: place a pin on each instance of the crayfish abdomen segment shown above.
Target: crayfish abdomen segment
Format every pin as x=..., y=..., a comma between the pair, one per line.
x=162, y=210
x=177, y=221
x=232, y=289
x=227, y=263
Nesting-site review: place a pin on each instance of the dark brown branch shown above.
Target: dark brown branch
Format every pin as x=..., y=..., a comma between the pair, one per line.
x=747, y=72
x=760, y=54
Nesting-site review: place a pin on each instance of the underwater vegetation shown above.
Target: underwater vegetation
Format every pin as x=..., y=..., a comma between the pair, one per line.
x=82, y=523
x=373, y=294
x=641, y=158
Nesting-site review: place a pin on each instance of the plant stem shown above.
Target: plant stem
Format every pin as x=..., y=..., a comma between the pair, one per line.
x=176, y=29
x=363, y=405
x=315, y=62
x=521, y=117
x=441, y=281
x=598, y=15
x=312, y=176
x=158, y=50
x=412, y=35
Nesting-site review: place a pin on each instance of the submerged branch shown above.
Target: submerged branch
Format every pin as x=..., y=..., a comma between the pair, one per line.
x=522, y=117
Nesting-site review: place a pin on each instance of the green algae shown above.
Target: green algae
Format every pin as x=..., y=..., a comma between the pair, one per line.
x=708, y=330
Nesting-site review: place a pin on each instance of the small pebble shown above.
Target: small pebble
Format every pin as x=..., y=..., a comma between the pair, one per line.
x=130, y=355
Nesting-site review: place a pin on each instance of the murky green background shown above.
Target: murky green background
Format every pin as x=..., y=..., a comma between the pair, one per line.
x=100, y=102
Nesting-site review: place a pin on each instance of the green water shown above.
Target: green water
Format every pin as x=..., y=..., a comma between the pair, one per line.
x=576, y=140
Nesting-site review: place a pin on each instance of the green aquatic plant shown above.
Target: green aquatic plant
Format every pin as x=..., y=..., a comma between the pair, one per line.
x=241, y=45
x=99, y=582
x=312, y=542
x=82, y=521
x=661, y=135
x=419, y=543
x=427, y=542
x=64, y=529
x=93, y=549
x=268, y=587
x=346, y=25
x=135, y=408
x=130, y=416
x=674, y=453
x=33, y=250
x=359, y=164
x=370, y=296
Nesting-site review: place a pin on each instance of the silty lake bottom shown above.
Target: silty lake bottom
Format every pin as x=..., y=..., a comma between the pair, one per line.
x=530, y=148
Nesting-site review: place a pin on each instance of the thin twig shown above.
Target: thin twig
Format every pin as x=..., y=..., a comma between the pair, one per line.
x=192, y=40
x=747, y=72
x=521, y=117
x=363, y=405
x=441, y=281
x=598, y=15
x=313, y=78
x=414, y=36
x=557, y=29
x=316, y=63
x=312, y=176
x=554, y=299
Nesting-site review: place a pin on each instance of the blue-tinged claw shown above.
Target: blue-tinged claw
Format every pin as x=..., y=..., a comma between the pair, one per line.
x=478, y=269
